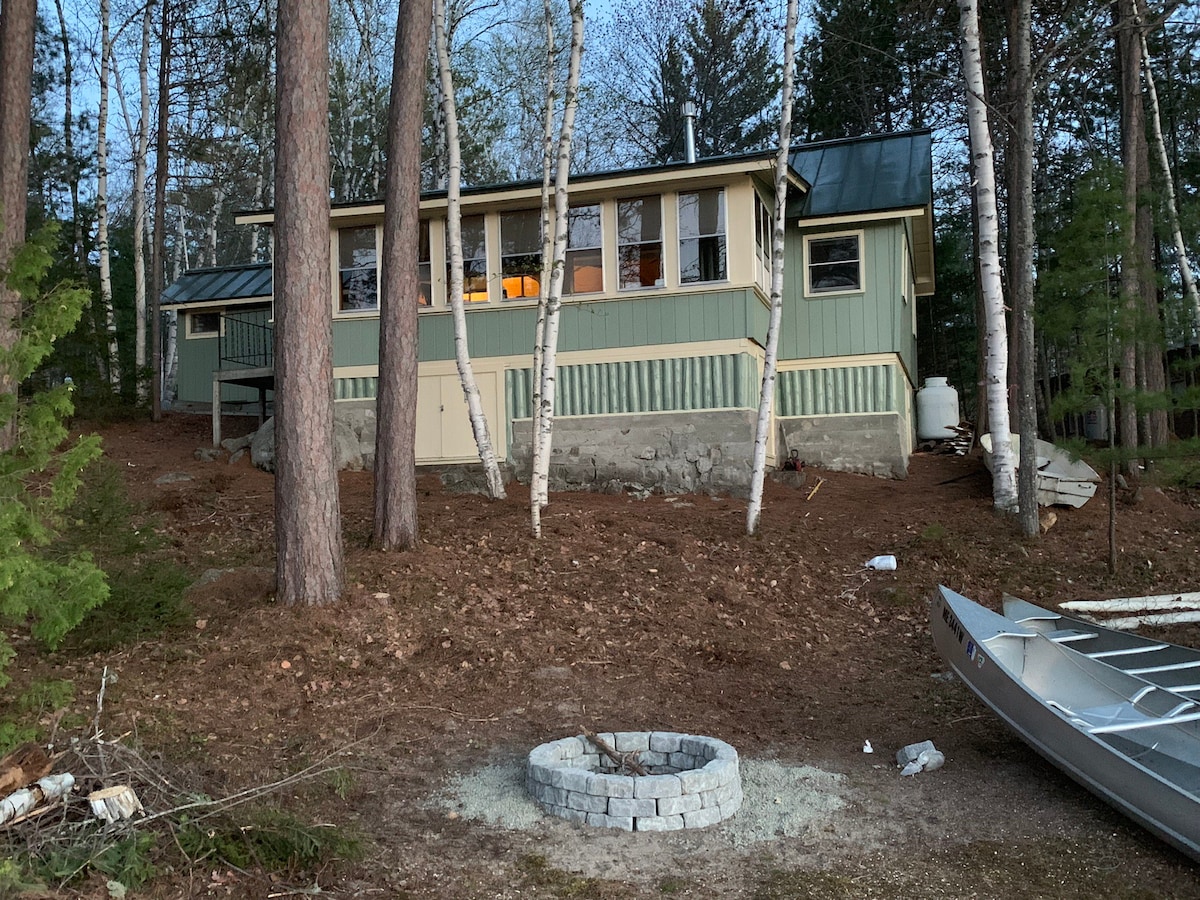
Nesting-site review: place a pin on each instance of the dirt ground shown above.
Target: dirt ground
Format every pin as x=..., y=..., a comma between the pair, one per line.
x=632, y=614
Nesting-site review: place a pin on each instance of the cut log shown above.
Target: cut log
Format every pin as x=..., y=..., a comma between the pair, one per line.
x=21, y=803
x=114, y=803
x=1183, y=601
x=22, y=767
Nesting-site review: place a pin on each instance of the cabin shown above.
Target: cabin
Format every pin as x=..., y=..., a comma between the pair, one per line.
x=663, y=324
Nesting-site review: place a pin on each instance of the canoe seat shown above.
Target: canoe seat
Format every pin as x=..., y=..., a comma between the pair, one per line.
x=1069, y=635
x=1116, y=717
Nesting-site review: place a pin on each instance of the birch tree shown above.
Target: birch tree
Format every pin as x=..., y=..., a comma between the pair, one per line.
x=1160, y=147
x=767, y=394
x=479, y=424
x=395, y=441
x=102, y=247
x=539, y=492
x=547, y=376
x=1004, y=493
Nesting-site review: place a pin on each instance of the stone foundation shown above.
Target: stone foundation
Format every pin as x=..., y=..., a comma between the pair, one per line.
x=871, y=443
x=677, y=452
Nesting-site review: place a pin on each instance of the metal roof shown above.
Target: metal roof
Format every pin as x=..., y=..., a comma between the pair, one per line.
x=215, y=285
x=866, y=174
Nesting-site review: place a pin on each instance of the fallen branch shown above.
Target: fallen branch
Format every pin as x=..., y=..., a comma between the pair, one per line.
x=817, y=487
x=627, y=760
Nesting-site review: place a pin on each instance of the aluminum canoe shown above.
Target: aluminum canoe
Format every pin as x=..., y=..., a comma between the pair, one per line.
x=1166, y=665
x=1133, y=744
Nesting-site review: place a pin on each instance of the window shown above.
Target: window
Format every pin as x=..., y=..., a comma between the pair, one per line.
x=585, y=261
x=639, y=242
x=764, y=240
x=203, y=324
x=424, y=266
x=474, y=241
x=521, y=254
x=702, y=236
x=358, y=269
x=834, y=264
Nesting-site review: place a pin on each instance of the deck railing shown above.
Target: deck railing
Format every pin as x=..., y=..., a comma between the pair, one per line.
x=247, y=340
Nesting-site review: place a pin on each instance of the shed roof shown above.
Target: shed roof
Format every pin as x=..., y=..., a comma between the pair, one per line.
x=197, y=286
x=866, y=174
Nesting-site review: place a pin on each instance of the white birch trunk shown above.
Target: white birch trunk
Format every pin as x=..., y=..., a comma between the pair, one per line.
x=479, y=425
x=214, y=217
x=1004, y=481
x=549, y=381
x=139, y=205
x=1185, y=269
x=110, y=324
x=539, y=489
x=767, y=396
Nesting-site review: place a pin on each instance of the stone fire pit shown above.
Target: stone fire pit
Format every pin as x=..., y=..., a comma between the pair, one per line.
x=693, y=781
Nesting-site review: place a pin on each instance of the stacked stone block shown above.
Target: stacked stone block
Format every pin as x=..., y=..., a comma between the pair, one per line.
x=693, y=781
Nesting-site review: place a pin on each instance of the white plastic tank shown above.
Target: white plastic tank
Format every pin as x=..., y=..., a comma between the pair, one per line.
x=1095, y=422
x=937, y=410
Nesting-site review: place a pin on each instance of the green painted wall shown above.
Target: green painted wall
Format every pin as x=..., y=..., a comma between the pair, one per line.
x=634, y=386
x=834, y=390
x=874, y=321
x=199, y=358
x=636, y=321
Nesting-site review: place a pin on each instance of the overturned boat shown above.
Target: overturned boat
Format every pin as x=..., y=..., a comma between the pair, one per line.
x=1061, y=480
x=1132, y=743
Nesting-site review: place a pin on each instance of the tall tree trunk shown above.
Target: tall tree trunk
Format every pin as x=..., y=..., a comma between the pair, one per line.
x=139, y=211
x=767, y=394
x=18, y=19
x=308, y=528
x=1020, y=243
x=1004, y=493
x=69, y=136
x=158, y=253
x=479, y=425
x=1132, y=132
x=548, y=375
x=1160, y=149
x=539, y=493
x=102, y=248
x=395, y=440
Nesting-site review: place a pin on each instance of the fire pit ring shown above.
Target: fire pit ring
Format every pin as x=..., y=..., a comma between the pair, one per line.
x=693, y=781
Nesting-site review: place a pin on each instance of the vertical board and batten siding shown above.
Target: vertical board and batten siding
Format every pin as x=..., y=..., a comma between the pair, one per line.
x=643, y=385
x=640, y=320
x=875, y=320
x=840, y=390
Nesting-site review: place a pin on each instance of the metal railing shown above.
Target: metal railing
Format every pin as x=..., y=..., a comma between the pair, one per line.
x=247, y=340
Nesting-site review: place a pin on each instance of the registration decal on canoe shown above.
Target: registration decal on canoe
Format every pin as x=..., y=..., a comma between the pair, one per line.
x=952, y=623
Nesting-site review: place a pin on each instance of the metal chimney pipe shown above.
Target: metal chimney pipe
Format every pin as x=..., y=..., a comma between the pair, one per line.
x=689, y=130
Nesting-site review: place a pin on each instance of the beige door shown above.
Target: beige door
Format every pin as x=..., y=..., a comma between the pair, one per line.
x=443, y=426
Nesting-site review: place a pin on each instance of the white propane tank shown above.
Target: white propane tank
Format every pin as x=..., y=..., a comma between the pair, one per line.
x=1095, y=422
x=937, y=410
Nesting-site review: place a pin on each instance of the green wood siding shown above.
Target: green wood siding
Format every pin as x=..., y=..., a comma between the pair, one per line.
x=843, y=389
x=637, y=321
x=199, y=358
x=877, y=320
x=644, y=385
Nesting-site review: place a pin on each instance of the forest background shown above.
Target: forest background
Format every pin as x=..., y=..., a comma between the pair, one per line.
x=205, y=83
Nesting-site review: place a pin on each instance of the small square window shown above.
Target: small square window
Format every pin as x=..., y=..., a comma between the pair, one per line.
x=204, y=324
x=834, y=264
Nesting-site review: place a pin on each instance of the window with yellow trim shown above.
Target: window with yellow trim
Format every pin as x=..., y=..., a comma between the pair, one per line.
x=358, y=269
x=585, y=258
x=521, y=254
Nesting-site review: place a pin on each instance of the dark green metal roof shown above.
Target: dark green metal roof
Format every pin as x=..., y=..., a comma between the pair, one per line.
x=219, y=285
x=864, y=174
